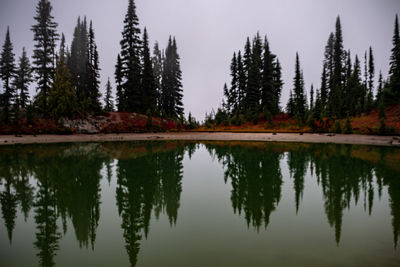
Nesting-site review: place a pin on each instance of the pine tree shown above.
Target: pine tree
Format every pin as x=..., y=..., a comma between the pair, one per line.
x=348, y=98
x=23, y=79
x=149, y=86
x=312, y=97
x=7, y=73
x=93, y=74
x=121, y=98
x=78, y=62
x=336, y=90
x=278, y=84
x=299, y=96
x=232, y=103
x=379, y=95
x=45, y=37
x=324, y=87
x=109, y=105
x=62, y=100
x=241, y=83
x=371, y=74
x=268, y=95
x=357, y=89
x=157, y=60
x=172, y=106
x=131, y=64
x=225, y=102
x=394, y=73
x=253, y=93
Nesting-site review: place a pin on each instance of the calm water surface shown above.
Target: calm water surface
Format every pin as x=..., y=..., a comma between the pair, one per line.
x=208, y=204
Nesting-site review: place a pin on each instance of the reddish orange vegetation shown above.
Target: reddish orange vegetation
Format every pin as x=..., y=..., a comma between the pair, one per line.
x=40, y=126
x=365, y=124
x=124, y=122
x=369, y=123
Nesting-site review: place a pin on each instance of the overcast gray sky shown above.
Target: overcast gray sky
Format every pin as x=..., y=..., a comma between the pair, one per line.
x=209, y=31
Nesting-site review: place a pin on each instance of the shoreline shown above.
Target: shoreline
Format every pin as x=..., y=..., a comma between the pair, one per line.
x=392, y=141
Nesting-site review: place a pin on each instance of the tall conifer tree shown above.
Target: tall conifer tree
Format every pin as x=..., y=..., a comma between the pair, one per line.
x=149, y=86
x=7, y=73
x=45, y=37
x=131, y=60
x=23, y=79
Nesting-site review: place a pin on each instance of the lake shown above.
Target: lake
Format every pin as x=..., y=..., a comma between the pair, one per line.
x=199, y=204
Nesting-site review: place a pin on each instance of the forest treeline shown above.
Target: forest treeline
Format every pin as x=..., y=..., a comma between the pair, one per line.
x=67, y=78
x=347, y=88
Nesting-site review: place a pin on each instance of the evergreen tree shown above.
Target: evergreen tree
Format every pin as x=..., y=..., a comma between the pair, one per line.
x=45, y=37
x=149, y=85
x=131, y=64
x=324, y=87
x=241, y=82
x=78, y=61
x=371, y=74
x=312, y=97
x=336, y=88
x=93, y=74
x=172, y=106
x=7, y=73
x=157, y=60
x=232, y=103
x=299, y=96
x=268, y=94
x=225, y=103
x=357, y=89
x=23, y=79
x=379, y=94
x=62, y=100
x=278, y=84
x=253, y=90
x=109, y=105
x=394, y=73
x=317, y=112
x=121, y=98
x=348, y=98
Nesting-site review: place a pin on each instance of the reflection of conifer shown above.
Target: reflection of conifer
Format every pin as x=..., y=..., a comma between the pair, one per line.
x=47, y=235
x=256, y=181
x=9, y=202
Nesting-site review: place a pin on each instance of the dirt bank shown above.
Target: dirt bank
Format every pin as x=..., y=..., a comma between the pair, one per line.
x=265, y=137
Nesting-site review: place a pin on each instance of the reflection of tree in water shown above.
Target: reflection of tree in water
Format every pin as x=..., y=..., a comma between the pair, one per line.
x=256, y=181
x=147, y=183
x=298, y=162
x=149, y=179
x=344, y=172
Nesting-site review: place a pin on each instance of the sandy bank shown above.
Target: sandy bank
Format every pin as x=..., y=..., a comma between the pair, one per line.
x=265, y=137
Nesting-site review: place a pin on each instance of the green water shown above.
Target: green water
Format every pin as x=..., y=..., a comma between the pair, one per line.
x=207, y=204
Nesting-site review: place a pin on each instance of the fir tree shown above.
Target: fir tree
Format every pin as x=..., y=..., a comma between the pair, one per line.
x=299, y=96
x=394, y=73
x=78, y=61
x=278, y=84
x=232, y=103
x=371, y=74
x=93, y=74
x=324, y=87
x=312, y=97
x=157, y=61
x=241, y=82
x=149, y=85
x=45, y=37
x=23, y=79
x=7, y=73
x=62, y=98
x=131, y=64
x=379, y=94
x=268, y=95
x=225, y=102
x=172, y=106
x=109, y=105
x=252, y=98
x=121, y=98
x=335, y=96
